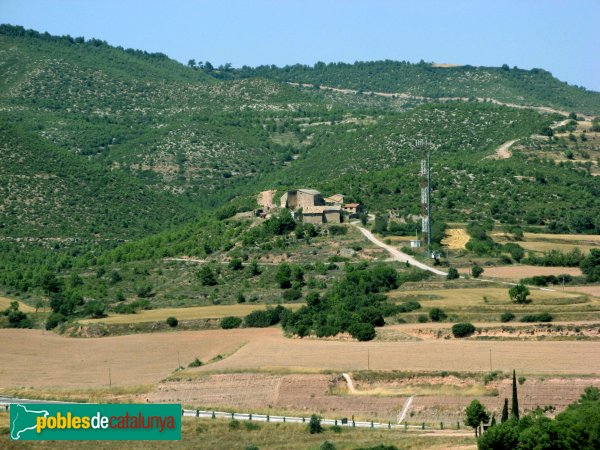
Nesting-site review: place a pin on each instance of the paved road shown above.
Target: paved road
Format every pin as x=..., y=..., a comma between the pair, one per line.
x=397, y=254
x=281, y=419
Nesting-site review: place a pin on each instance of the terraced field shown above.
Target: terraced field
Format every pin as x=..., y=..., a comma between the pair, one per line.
x=544, y=242
x=197, y=312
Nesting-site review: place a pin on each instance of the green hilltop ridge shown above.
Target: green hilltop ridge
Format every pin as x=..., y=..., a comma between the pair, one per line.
x=535, y=87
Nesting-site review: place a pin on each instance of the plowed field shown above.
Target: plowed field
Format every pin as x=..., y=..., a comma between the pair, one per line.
x=33, y=358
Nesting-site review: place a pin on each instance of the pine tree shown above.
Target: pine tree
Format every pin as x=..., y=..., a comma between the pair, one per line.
x=514, y=411
x=504, y=416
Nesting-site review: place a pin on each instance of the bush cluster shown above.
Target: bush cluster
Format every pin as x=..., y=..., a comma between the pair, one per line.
x=463, y=329
x=266, y=318
x=354, y=304
x=542, y=317
x=230, y=322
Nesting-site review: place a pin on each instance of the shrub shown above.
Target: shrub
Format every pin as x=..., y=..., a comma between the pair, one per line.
x=519, y=293
x=437, y=315
x=195, y=363
x=95, y=309
x=476, y=271
x=422, y=318
x=590, y=265
x=264, y=318
x=251, y=426
x=240, y=298
x=18, y=319
x=54, y=320
x=327, y=446
x=234, y=424
x=362, y=331
x=452, y=274
x=522, y=380
x=515, y=251
x=463, y=329
x=172, y=321
x=408, y=306
x=507, y=317
x=236, y=264
x=314, y=426
x=144, y=291
x=292, y=294
x=284, y=276
x=230, y=322
x=206, y=276
x=337, y=230
x=542, y=317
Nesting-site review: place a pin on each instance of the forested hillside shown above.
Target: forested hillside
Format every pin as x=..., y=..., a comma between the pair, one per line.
x=48, y=193
x=101, y=145
x=510, y=85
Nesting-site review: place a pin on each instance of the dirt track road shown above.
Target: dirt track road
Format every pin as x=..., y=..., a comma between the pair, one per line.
x=397, y=254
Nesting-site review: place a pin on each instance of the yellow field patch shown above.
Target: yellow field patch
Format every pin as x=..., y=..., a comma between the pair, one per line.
x=5, y=303
x=543, y=242
x=453, y=298
x=456, y=238
x=195, y=312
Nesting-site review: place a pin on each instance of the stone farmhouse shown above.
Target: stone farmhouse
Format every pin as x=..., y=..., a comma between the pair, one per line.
x=352, y=209
x=314, y=208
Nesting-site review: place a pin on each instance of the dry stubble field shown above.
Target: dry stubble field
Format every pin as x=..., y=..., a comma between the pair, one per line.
x=49, y=360
x=5, y=303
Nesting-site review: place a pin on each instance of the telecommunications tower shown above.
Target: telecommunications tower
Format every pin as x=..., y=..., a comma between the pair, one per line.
x=425, y=183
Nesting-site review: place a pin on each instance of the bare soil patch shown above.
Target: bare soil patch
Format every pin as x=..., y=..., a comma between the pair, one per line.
x=503, y=152
x=260, y=392
x=592, y=290
x=374, y=399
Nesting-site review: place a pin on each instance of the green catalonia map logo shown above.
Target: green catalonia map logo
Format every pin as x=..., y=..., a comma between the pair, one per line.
x=45, y=421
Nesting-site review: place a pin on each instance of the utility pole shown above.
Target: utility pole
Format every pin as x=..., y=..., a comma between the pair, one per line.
x=109, y=379
x=425, y=183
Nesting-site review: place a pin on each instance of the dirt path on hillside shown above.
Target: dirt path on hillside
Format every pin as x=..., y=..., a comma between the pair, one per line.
x=542, y=109
x=397, y=254
x=503, y=152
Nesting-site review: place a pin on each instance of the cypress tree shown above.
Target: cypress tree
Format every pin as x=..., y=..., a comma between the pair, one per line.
x=514, y=411
x=493, y=421
x=504, y=416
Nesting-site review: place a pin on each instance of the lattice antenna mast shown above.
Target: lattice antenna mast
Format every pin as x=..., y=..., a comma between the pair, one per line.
x=425, y=183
